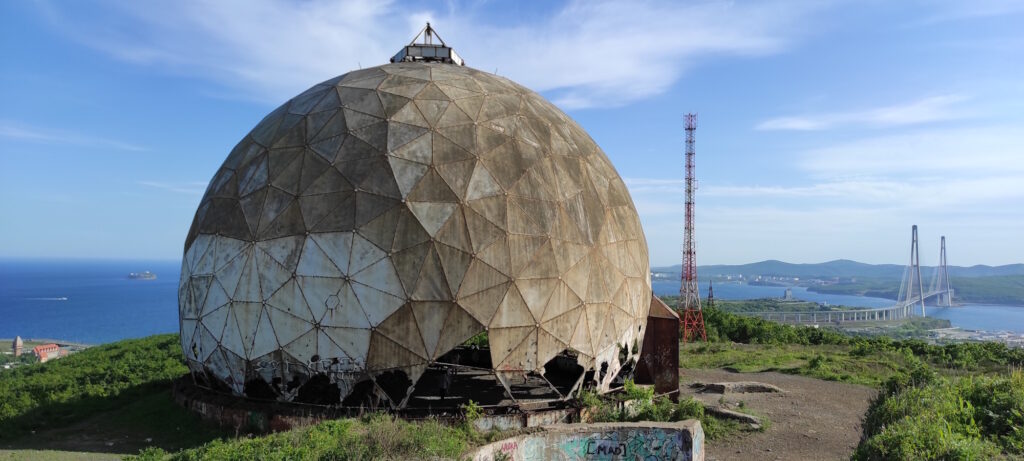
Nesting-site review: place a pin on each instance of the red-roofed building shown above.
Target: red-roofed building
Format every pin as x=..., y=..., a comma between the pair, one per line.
x=48, y=352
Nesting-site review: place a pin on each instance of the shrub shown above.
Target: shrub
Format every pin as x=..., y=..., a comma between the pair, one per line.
x=923, y=416
x=96, y=379
x=473, y=411
x=634, y=392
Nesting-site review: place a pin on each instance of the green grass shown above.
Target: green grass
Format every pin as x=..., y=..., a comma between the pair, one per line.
x=55, y=455
x=746, y=344
x=953, y=401
x=911, y=328
x=158, y=418
x=833, y=363
x=373, y=437
x=118, y=391
x=101, y=378
x=123, y=389
x=121, y=392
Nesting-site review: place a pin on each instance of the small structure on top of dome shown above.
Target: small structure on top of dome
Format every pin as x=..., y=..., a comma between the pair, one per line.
x=428, y=51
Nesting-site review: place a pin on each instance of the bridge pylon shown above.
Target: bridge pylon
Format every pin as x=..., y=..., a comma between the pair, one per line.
x=940, y=281
x=911, y=287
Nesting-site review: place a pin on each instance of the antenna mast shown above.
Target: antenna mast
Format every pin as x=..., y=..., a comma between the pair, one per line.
x=689, y=297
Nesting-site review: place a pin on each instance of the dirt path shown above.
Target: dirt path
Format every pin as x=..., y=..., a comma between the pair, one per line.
x=811, y=419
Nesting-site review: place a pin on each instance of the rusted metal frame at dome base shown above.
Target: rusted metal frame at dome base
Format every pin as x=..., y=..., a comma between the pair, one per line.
x=401, y=403
x=259, y=415
x=347, y=410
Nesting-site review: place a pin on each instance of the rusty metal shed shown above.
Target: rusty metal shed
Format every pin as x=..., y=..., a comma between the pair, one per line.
x=659, y=357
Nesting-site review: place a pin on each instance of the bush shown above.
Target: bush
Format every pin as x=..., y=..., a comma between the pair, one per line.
x=81, y=384
x=750, y=330
x=473, y=411
x=923, y=416
x=968, y=356
x=640, y=393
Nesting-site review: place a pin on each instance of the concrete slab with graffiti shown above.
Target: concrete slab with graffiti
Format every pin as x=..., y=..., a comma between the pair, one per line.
x=603, y=441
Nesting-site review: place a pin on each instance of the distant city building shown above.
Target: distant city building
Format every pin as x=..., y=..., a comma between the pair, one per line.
x=46, y=352
x=789, y=294
x=17, y=346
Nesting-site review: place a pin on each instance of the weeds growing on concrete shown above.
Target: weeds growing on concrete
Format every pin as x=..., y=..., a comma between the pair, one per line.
x=638, y=403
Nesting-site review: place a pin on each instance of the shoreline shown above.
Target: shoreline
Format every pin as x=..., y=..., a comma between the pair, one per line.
x=962, y=303
x=58, y=342
x=958, y=334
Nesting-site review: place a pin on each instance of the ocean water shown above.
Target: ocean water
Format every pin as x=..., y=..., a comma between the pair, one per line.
x=95, y=302
x=87, y=301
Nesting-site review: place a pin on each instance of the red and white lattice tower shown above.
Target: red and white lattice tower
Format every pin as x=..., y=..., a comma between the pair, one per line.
x=689, y=297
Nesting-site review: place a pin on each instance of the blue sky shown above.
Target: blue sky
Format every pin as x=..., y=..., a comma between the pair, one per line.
x=827, y=128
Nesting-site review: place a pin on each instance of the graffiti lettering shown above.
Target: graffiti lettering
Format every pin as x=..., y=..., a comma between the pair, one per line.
x=509, y=446
x=605, y=448
x=624, y=443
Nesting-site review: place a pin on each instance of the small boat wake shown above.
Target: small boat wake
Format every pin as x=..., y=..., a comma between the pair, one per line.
x=59, y=298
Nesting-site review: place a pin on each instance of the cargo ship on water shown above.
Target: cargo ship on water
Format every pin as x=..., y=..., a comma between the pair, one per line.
x=144, y=275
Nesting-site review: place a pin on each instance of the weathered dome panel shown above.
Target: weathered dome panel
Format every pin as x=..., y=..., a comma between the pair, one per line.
x=382, y=218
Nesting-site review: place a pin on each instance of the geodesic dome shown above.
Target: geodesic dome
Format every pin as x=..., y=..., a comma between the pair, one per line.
x=380, y=219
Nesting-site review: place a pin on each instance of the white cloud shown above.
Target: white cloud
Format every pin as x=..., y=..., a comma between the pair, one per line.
x=610, y=53
x=931, y=109
x=738, y=233
x=20, y=132
x=957, y=10
x=908, y=195
x=585, y=53
x=951, y=153
x=854, y=200
x=915, y=193
x=189, y=187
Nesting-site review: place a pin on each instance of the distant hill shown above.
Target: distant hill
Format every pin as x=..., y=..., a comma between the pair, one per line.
x=839, y=268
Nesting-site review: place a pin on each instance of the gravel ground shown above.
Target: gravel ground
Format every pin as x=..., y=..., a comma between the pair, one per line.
x=811, y=419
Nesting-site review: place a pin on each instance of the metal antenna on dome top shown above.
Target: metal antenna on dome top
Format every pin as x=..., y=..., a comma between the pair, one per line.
x=427, y=50
x=428, y=33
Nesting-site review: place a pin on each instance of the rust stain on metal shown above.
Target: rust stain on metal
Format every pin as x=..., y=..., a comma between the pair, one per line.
x=659, y=356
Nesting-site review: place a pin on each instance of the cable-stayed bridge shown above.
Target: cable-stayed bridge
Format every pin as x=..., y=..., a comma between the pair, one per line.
x=909, y=302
